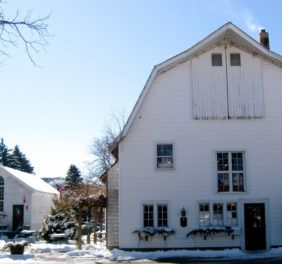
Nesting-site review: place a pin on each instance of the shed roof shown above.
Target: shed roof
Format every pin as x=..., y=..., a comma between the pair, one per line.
x=31, y=181
x=229, y=34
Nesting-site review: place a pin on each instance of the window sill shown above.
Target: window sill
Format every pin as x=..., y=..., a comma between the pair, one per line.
x=244, y=192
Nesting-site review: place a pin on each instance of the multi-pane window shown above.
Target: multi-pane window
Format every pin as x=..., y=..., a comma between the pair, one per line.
x=216, y=59
x=162, y=215
x=217, y=214
x=1, y=194
x=165, y=156
x=231, y=214
x=230, y=172
x=204, y=209
x=148, y=211
x=235, y=59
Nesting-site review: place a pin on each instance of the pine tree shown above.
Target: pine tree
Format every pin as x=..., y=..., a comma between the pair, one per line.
x=73, y=175
x=5, y=156
x=20, y=162
x=61, y=220
x=14, y=159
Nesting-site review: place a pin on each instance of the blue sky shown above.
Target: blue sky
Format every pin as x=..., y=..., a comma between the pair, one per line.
x=97, y=61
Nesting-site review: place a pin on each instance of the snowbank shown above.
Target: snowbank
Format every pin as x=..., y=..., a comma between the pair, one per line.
x=68, y=251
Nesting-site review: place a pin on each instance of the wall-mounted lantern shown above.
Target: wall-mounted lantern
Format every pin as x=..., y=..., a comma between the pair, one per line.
x=183, y=218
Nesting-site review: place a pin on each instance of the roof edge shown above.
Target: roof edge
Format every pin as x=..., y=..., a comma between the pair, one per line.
x=179, y=57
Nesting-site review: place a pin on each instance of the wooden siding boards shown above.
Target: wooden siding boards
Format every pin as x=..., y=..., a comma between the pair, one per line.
x=167, y=117
x=245, y=86
x=222, y=92
x=209, y=87
x=112, y=208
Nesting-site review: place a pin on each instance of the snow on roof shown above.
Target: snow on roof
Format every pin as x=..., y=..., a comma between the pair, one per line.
x=31, y=181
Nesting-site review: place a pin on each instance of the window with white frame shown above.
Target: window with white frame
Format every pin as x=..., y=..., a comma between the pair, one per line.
x=155, y=215
x=230, y=172
x=148, y=215
x=218, y=214
x=231, y=214
x=164, y=156
x=162, y=215
x=204, y=209
x=1, y=194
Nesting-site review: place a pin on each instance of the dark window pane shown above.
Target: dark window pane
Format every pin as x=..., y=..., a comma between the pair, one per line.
x=223, y=182
x=238, y=182
x=222, y=161
x=216, y=60
x=235, y=59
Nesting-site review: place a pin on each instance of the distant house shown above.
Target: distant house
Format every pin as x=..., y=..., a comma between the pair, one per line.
x=201, y=153
x=24, y=199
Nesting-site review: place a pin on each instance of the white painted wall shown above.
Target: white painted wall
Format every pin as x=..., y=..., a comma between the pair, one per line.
x=166, y=116
x=37, y=204
x=14, y=194
x=41, y=204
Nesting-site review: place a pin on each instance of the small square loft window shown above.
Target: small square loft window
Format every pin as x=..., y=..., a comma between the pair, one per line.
x=216, y=59
x=235, y=59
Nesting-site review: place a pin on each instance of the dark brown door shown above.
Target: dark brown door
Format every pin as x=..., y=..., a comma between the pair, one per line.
x=255, y=238
x=18, y=216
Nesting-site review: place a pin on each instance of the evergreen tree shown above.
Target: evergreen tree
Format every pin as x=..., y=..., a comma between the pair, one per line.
x=5, y=156
x=61, y=220
x=14, y=159
x=73, y=175
x=20, y=162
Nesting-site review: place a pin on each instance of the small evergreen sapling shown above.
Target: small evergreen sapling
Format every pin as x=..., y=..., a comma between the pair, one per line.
x=61, y=220
x=73, y=175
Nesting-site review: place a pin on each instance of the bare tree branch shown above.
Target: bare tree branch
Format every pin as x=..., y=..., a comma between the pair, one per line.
x=99, y=147
x=32, y=33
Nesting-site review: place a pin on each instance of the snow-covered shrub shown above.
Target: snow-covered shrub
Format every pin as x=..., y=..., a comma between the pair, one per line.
x=61, y=220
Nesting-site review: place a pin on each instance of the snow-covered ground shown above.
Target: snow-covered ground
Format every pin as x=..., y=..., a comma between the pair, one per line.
x=42, y=252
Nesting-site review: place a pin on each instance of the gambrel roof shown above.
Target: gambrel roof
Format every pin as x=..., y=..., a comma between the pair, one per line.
x=227, y=34
x=30, y=181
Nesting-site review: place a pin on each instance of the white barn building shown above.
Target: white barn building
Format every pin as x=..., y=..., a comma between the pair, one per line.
x=203, y=142
x=25, y=199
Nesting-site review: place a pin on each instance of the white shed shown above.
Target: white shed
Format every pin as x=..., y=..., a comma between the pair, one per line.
x=24, y=199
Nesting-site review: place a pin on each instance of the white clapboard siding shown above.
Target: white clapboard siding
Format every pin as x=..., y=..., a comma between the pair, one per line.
x=245, y=86
x=166, y=117
x=209, y=87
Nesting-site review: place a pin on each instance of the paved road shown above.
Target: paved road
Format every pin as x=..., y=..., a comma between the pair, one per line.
x=51, y=258
x=220, y=261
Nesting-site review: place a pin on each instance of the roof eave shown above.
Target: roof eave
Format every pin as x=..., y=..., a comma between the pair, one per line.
x=187, y=54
